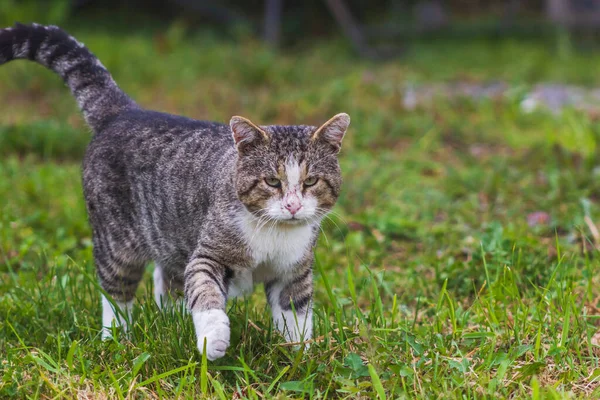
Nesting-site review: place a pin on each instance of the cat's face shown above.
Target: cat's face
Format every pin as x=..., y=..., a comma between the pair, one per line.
x=288, y=174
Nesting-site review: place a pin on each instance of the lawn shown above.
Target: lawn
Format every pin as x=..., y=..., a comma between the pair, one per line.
x=460, y=262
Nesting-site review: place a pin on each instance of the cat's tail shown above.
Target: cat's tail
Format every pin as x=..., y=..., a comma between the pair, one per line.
x=97, y=94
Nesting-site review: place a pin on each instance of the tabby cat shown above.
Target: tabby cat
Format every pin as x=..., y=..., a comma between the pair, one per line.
x=217, y=208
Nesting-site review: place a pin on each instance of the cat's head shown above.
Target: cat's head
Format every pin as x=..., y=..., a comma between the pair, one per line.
x=289, y=174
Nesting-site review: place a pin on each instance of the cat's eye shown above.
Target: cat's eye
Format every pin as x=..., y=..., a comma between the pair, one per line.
x=310, y=181
x=274, y=182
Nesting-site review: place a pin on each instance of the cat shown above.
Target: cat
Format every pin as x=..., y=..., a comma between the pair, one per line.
x=218, y=208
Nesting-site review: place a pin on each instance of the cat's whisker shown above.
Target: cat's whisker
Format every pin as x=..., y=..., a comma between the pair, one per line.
x=262, y=221
x=334, y=213
x=272, y=227
x=325, y=236
x=323, y=214
x=328, y=217
x=267, y=220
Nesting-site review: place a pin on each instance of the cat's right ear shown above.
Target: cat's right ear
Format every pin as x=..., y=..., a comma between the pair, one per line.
x=245, y=132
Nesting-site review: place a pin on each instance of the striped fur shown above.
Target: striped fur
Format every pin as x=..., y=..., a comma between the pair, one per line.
x=97, y=94
x=218, y=208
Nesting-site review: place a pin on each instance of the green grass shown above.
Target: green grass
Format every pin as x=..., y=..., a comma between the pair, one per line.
x=429, y=281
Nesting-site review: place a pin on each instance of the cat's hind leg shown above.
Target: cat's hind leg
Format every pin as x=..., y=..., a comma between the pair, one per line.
x=119, y=313
x=165, y=289
x=119, y=274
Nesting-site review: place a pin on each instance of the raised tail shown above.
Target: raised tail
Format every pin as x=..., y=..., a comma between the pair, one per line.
x=97, y=94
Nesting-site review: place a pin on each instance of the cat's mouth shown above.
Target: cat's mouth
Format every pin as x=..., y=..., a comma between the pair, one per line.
x=284, y=220
x=293, y=220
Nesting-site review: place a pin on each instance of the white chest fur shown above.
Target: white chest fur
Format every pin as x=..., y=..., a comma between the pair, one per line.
x=274, y=251
x=277, y=247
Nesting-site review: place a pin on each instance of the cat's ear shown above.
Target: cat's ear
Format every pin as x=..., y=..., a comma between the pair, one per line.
x=245, y=132
x=333, y=131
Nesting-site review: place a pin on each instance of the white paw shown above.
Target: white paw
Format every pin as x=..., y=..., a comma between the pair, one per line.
x=106, y=333
x=295, y=328
x=110, y=316
x=212, y=325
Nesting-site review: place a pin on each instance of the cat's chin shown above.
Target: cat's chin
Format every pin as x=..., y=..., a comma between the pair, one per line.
x=292, y=222
x=283, y=222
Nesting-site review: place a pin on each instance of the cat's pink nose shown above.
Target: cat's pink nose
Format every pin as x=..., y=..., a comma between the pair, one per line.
x=293, y=206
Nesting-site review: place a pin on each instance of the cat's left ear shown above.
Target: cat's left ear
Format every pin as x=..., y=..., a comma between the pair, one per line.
x=333, y=131
x=246, y=133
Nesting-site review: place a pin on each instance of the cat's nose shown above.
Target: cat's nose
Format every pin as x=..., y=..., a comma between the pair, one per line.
x=293, y=206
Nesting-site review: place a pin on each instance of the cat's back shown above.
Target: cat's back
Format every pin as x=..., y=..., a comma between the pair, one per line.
x=143, y=149
x=139, y=129
x=139, y=140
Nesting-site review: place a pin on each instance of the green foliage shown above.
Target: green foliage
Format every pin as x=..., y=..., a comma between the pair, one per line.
x=46, y=138
x=429, y=282
x=26, y=11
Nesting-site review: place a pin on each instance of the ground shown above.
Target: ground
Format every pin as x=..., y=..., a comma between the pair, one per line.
x=460, y=262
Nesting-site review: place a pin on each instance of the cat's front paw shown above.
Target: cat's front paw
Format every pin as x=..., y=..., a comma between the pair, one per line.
x=212, y=325
x=296, y=328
